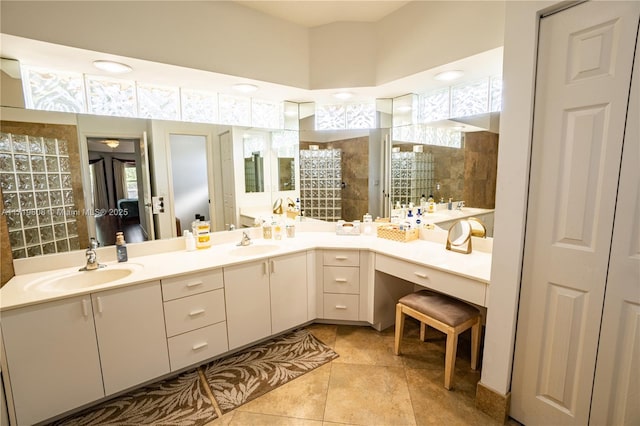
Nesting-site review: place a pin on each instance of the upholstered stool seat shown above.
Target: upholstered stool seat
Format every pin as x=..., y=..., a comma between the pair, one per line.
x=447, y=314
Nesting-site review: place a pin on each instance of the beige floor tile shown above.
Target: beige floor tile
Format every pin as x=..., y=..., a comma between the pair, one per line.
x=303, y=397
x=434, y=405
x=368, y=395
x=326, y=333
x=244, y=418
x=365, y=345
x=225, y=420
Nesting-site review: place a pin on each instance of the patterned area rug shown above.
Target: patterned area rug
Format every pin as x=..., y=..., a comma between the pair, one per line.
x=184, y=400
x=253, y=372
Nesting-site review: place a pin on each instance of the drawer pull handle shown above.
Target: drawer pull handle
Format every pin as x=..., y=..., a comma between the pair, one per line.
x=200, y=346
x=197, y=312
x=85, y=308
x=421, y=274
x=194, y=284
x=99, y=300
x=341, y=307
x=341, y=257
x=341, y=280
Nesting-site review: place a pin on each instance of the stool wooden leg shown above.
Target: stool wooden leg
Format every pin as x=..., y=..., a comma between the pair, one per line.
x=450, y=358
x=475, y=344
x=423, y=331
x=399, y=328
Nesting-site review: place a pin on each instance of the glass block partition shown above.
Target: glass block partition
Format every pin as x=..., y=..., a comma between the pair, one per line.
x=411, y=176
x=35, y=176
x=321, y=183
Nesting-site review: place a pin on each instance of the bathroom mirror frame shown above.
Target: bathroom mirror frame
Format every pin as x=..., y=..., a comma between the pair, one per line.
x=459, y=237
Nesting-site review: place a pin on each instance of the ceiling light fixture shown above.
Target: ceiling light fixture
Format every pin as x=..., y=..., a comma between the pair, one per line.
x=112, y=67
x=343, y=95
x=245, y=87
x=449, y=75
x=111, y=143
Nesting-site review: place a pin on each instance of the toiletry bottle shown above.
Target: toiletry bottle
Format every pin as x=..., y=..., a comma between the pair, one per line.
x=431, y=207
x=450, y=204
x=368, y=227
x=277, y=230
x=266, y=230
x=411, y=219
x=423, y=202
x=121, y=247
x=189, y=241
x=419, y=218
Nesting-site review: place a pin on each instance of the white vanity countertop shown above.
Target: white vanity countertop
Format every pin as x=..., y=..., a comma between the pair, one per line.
x=21, y=291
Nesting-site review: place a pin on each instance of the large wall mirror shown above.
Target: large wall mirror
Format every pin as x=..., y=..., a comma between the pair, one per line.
x=355, y=171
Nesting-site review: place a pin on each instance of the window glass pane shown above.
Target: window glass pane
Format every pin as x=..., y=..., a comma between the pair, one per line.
x=330, y=117
x=157, y=102
x=199, y=106
x=52, y=90
x=470, y=98
x=361, y=116
x=111, y=96
x=234, y=110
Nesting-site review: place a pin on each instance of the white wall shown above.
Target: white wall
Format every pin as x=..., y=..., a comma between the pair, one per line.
x=343, y=54
x=218, y=36
x=426, y=34
x=511, y=190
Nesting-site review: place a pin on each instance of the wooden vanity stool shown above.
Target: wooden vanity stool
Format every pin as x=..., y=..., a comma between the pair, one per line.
x=444, y=313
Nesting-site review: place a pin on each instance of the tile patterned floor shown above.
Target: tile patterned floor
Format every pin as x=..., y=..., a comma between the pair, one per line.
x=369, y=385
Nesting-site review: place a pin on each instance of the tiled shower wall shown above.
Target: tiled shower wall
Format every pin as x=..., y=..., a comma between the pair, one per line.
x=63, y=132
x=355, y=174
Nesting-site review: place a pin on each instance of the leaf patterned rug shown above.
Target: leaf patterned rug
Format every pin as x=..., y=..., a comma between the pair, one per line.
x=185, y=399
x=238, y=379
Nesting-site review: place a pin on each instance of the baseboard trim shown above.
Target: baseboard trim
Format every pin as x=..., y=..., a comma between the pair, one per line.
x=492, y=403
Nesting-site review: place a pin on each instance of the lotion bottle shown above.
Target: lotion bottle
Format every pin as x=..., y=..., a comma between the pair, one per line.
x=121, y=248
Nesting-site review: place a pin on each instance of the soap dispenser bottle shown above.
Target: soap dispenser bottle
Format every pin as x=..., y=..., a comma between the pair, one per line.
x=121, y=248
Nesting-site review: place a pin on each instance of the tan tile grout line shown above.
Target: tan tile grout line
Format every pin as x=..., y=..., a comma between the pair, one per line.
x=216, y=407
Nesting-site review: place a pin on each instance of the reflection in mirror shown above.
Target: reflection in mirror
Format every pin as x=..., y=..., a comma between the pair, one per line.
x=477, y=227
x=254, y=147
x=459, y=237
x=113, y=170
x=189, y=178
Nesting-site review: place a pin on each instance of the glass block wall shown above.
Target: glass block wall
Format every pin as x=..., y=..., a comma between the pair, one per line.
x=412, y=175
x=35, y=176
x=321, y=183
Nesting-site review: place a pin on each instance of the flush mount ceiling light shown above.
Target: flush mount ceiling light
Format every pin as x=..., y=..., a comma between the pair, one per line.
x=111, y=143
x=343, y=95
x=112, y=67
x=245, y=87
x=448, y=75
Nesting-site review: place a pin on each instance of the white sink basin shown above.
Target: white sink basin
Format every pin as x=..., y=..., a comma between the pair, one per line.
x=84, y=279
x=253, y=250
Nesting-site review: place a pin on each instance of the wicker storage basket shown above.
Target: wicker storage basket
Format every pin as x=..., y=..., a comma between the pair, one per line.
x=394, y=233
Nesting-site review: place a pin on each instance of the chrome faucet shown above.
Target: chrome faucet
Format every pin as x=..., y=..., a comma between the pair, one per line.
x=245, y=241
x=92, y=257
x=460, y=205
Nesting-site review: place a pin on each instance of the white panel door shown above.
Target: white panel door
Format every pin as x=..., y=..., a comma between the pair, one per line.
x=585, y=59
x=616, y=394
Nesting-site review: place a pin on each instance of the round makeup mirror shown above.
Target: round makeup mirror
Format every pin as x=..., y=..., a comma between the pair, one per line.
x=477, y=227
x=459, y=237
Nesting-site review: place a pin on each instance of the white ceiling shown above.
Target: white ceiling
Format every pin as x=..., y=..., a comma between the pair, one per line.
x=312, y=13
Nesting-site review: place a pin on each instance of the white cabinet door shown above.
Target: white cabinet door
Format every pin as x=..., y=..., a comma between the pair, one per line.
x=131, y=335
x=246, y=289
x=52, y=357
x=288, y=291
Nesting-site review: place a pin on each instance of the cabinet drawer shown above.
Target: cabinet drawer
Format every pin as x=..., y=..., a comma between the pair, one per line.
x=341, y=257
x=341, y=279
x=444, y=282
x=197, y=345
x=341, y=306
x=189, y=313
x=186, y=285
